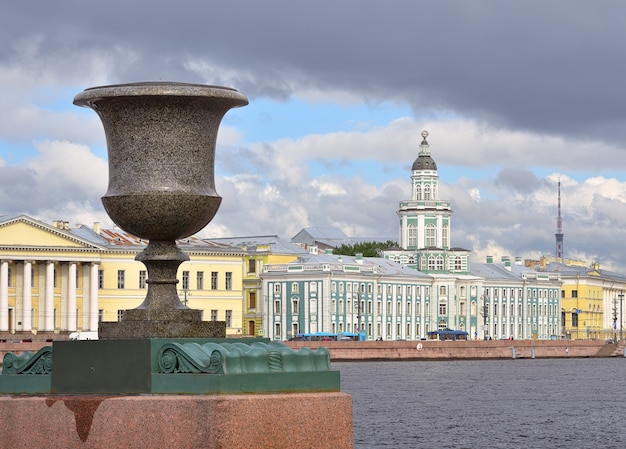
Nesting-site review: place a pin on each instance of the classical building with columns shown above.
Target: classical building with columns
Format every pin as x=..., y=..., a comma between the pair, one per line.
x=56, y=279
x=48, y=278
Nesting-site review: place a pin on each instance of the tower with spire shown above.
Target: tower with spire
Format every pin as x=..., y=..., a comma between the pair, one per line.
x=559, y=229
x=425, y=222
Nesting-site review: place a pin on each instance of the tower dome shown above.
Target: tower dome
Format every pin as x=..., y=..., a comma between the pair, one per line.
x=424, y=161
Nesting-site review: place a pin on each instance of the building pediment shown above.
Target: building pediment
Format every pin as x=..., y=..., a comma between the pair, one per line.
x=26, y=232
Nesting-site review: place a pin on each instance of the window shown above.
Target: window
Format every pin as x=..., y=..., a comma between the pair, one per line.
x=121, y=276
x=229, y=280
x=295, y=287
x=100, y=315
x=462, y=308
x=252, y=300
x=213, y=280
x=444, y=242
x=185, y=280
x=442, y=290
x=142, y=278
x=251, y=266
x=431, y=240
x=120, y=314
x=443, y=309
x=277, y=307
x=229, y=318
x=574, y=319
x=100, y=279
x=276, y=288
x=277, y=331
x=294, y=306
x=412, y=236
x=213, y=315
x=200, y=280
x=574, y=293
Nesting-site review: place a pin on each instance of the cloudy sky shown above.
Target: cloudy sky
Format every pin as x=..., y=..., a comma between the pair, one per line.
x=515, y=96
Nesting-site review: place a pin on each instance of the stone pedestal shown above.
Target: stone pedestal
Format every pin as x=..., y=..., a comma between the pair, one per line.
x=301, y=420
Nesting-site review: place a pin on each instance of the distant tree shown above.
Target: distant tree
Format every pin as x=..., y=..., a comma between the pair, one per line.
x=368, y=249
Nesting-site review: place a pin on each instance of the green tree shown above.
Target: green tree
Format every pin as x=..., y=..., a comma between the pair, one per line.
x=368, y=249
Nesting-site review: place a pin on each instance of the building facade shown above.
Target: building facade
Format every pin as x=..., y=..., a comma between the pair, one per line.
x=592, y=299
x=424, y=284
x=57, y=279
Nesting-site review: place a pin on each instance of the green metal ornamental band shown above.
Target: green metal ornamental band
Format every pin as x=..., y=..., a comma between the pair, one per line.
x=168, y=366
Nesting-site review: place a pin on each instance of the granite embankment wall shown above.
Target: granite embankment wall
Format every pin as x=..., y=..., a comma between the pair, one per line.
x=471, y=350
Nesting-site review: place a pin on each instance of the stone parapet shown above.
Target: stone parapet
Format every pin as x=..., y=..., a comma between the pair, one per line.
x=473, y=349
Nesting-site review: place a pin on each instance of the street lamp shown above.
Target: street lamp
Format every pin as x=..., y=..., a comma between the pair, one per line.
x=358, y=312
x=185, y=292
x=614, y=320
x=621, y=320
x=485, y=314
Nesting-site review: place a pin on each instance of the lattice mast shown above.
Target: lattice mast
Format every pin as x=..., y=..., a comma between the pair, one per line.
x=559, y=228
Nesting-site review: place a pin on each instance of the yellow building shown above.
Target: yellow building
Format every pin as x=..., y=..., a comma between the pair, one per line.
x=590, y=300
x=56, y=279
x=260, y=251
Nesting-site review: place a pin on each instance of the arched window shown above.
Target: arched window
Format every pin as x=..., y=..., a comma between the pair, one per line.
x=430, y=235
x=418, y=192
x=412, y=235
x=427, y=192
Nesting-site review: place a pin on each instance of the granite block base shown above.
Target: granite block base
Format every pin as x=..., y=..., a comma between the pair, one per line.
x=165, y=328
x=303, y=420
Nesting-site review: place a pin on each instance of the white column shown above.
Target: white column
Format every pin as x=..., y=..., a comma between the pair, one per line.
x=71, y=297
x=27, y=299
x=93, y=298
x=49, y=298
x=4, y=295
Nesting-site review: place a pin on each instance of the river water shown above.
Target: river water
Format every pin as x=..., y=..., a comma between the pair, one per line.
x=523, y=403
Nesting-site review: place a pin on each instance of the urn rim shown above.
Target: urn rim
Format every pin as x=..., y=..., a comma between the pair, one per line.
x=159, y=88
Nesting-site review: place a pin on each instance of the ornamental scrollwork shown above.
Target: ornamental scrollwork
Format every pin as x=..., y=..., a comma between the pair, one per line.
x=28, y=363
x=240, y=358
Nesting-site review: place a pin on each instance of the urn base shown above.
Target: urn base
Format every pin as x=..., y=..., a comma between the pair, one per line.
x=164, y=328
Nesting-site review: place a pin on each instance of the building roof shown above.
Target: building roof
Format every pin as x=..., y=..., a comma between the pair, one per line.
x=275, y=243
x=383, y=266
x=331, y=237
x=579, y=270
x=497, y=271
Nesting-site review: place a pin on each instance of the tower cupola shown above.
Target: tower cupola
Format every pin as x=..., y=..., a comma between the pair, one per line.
x=424, y=161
